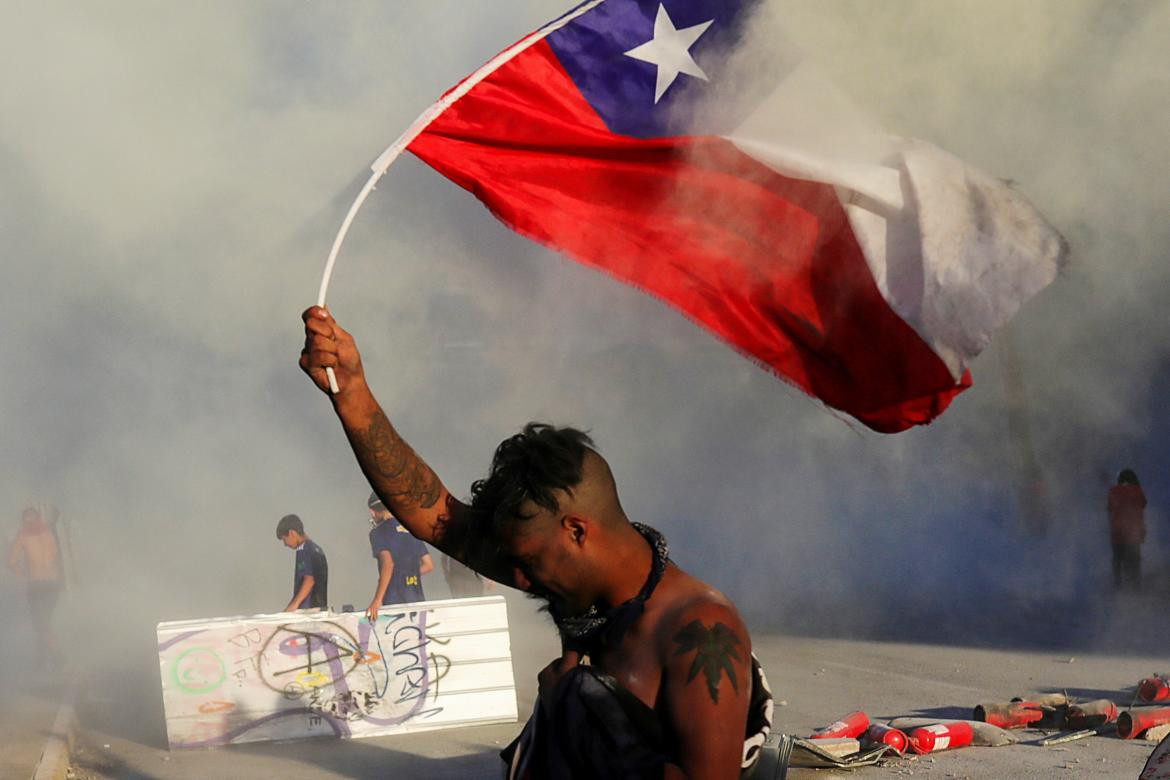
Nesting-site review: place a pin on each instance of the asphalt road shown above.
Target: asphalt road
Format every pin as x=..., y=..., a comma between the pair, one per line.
x=31, y=687
x=816, y=680
x=25, y=720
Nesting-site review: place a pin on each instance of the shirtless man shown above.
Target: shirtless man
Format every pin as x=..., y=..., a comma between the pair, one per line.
x=35, y=555
x=666, y=653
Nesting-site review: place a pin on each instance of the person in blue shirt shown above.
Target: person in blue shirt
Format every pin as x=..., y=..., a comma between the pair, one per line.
x=402, y=560
x=311, y=574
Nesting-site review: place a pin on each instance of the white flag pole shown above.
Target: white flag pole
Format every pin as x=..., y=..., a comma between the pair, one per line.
x=382, y=164
x=353, y=210
x=379, y=168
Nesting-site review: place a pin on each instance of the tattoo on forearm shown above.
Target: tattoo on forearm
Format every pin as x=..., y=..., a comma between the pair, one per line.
x=394, y=466
x=714, y=648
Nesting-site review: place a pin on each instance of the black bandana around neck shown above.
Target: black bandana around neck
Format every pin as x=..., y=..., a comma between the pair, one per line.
x=593, y=631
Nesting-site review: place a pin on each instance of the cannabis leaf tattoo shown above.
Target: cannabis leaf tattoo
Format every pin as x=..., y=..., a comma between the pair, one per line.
x=714, y=648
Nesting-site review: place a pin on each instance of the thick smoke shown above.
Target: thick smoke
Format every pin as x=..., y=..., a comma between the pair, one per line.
x=174, y=175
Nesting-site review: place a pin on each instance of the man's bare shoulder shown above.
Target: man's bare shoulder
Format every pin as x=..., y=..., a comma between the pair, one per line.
x=689, y=599
x=706, y=660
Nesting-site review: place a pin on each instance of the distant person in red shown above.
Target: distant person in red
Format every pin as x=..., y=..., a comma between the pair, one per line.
x=1127, y=529
x=36, y=556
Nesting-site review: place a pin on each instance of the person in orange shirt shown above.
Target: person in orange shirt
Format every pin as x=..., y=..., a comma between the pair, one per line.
x=1127, y=529
x=35, y=555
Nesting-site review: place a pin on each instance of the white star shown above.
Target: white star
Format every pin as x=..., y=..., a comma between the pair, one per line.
x=669, y=49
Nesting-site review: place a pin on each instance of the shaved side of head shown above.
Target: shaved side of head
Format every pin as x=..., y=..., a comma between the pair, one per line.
x=595, y=496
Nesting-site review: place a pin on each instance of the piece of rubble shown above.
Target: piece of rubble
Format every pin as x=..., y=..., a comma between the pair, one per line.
x=1157, y=733
x=1071, y=736
x=841, y=746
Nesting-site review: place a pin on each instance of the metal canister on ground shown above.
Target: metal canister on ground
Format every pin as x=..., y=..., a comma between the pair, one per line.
x=1134, y=721
x=1009, y=715
x=941, y=736
x=1090, y=714
x=852, y=725
x=1155, y=688
x=877, y=734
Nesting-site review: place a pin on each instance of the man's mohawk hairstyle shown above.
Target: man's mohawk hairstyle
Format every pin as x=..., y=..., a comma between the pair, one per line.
x=531, y=466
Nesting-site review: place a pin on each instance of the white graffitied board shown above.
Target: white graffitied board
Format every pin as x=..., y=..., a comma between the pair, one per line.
x=427, y=665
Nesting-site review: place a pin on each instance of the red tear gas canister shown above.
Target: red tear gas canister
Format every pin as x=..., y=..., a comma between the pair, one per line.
x=852, y=726
x=1012, y=715
x=1156, y=688
x=1134, y=721
x=1090, y=714
x=878, y=734
x=942, y=736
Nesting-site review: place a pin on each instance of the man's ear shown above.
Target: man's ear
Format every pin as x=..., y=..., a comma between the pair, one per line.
x=577, y=526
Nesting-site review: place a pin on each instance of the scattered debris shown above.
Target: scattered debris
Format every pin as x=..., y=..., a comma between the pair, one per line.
x=855, y=741
x=1157, y=733
x=808, y=753
x=1071, y=736
x=838, y=747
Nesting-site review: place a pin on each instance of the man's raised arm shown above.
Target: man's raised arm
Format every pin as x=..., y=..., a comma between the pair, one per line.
x=403, y=480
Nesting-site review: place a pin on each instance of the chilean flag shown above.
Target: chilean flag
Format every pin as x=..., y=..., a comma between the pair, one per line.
x=646, y=139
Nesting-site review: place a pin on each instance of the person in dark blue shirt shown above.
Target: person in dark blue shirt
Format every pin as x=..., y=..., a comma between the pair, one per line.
x=402, y=560
x=311, y=575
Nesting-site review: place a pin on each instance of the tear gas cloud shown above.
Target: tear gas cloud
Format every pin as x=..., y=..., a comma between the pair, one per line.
x=174, y=176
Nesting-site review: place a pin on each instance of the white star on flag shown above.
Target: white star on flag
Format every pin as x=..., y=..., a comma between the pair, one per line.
x=669, y=49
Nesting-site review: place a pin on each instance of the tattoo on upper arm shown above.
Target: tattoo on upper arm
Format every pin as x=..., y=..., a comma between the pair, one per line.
x=714, y=648
x=400, y=471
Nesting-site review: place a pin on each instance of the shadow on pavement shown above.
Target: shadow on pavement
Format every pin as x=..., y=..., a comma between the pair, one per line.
x=943, y=713
x=364, y=759
x=124, y=702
